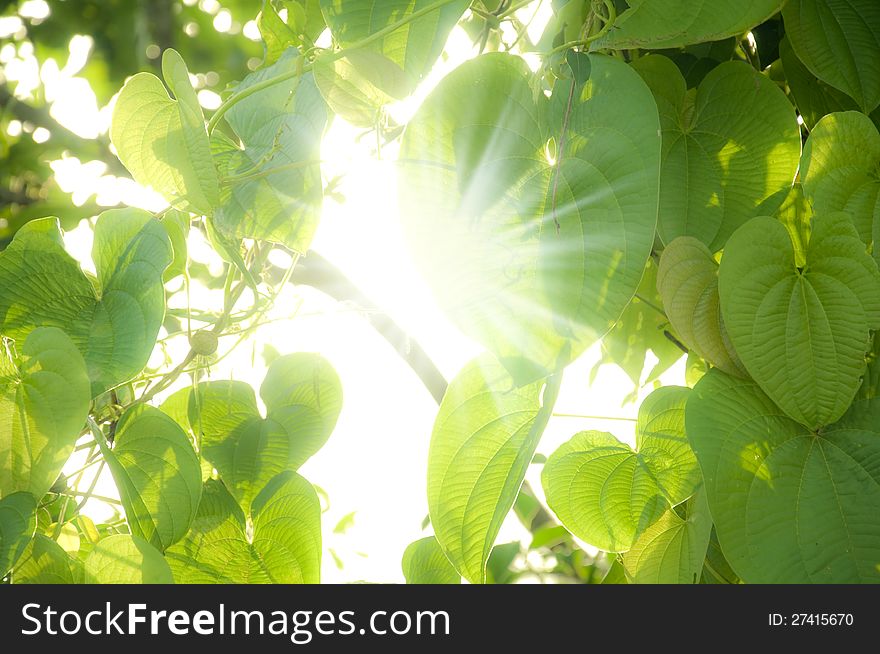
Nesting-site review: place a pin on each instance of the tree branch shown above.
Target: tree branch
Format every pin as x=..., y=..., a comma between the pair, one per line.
x=315, y=271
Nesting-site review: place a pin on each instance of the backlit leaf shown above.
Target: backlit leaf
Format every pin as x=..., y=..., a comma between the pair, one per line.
x=17, y=524
x=126, y=559
x=425, y=563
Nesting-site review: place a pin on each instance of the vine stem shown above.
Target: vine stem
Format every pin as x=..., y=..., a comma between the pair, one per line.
x=328, y=58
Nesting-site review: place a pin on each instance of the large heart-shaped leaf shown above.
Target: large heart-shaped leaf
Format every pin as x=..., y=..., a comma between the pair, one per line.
x=790, y=505
x=839, y=171
x=688, y=283
x=802, y=333
x=730, y=148
x=672, y=550
x=44, y=401
x=839, y=42
x=114, y=320
x=44, y=562
x=303, y=398
x=272, y=187
x=425, y=563
x=608, y=494
x=126, y=559
x=157, y=473
x=532, y=218
x=396, y=62
x=162, y=141
x=283, y=546
x=484, y=437
x=674, y=23
x=17, y=523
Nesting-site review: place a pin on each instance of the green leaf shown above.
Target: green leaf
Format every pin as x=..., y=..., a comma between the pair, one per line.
x=126, y=559
x=44, y=401
x=162, y=141
x=480, y=201
x=44, y=562
x=813, y=97
x=642, y=327
x=18, y=521
x=114, y=320
x=616, y=574
x=303, y=398
x=839, y=171
x=277, y=35
x=176, y=224
x=790, y=505
x=672, y=550
x=608, y=494
x=411, y=49
x=801, y=333
x=424, y=563
x=730, y=148
x=674, y=23
x=484, y=437
x=272, y=187
x=839, y=42
x=284, y=546
x=352, y=86
x=688, y=283
x=157, y=473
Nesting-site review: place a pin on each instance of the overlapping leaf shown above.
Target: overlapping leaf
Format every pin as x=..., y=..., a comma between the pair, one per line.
x=790, y=505
x=608, y=494
x=157, y=473
x=44, y=401
x=674, y=23
x=730, y=148
x=163, y=141
x=839, y=42
x=114, y=320
x=44, y=562
x=672, y=550
x=484, y=437
x=425, y=563
x=368, y=77
x=801, y=333
x=283, y=547
x=126, y=559
x=17, y=524
x=272, y=186
x=839, y=171
x=688, y=283
x=303, y=398
x=534, y=258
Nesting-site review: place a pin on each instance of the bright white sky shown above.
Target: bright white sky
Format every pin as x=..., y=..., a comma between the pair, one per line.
x=375, y=462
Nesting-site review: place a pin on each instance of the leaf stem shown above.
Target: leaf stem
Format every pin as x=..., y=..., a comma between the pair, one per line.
x=327, y=58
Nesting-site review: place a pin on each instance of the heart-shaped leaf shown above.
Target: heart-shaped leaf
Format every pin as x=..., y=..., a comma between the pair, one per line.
x=283, y=547
x=688, y=283
x=352, y=86
x=608, y=494
x=484, y=437
x=411, y=49
x=44, y=401
x=840, y=171
x=724, y=162
x=675, y=23
x=17, y=524
x=272, y=188
x=837, y=40
x=114, y=320
x=44, y=562
x=672, y=550
x=790, y=505
x=157, y=473
x=801, y=333
x=303, y=398
x=425, y=563
x=162, y=141
x=126, y=559
x=534, y=257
